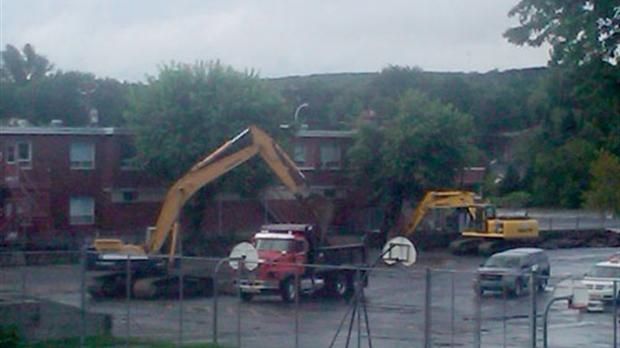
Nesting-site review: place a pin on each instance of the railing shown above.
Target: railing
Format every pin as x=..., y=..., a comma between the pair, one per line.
x=431, y=304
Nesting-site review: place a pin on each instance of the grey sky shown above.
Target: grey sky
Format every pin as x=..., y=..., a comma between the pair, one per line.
x=128, y=39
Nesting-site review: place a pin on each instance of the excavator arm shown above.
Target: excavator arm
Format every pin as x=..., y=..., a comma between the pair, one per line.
x=214, y=165
x=440, y=199
x=151, y=278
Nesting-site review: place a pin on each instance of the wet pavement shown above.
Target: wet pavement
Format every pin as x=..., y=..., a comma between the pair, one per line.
x=394, y=315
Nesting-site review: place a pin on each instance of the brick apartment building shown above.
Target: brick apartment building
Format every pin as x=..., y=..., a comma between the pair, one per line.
x=61, y=186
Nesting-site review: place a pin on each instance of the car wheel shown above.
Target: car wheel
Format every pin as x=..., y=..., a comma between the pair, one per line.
x=542, y=284
x=246, y=296
x=518, y=289
x=288, y=290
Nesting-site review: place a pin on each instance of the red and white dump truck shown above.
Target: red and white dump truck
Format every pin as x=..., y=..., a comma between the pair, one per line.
x=292, y=262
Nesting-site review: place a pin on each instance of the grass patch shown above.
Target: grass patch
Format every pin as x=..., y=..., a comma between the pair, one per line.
x=109, y=341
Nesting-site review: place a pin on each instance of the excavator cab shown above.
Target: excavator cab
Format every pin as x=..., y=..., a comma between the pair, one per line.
x=481, y=215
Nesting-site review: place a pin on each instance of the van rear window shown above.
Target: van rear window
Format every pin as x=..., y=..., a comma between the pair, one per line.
x=502, y=261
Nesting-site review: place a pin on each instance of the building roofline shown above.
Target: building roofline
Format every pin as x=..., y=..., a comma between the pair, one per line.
x=62, y=131
x=325, y=134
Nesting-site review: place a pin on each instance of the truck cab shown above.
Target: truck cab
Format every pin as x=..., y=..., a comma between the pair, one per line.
x=291, y=262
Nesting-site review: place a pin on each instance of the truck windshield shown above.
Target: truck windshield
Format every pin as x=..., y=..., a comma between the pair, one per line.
x=273, y=244
x=605, y=272
x=502, y=261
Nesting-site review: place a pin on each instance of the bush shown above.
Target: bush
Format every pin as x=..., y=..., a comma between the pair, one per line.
x=9, y=338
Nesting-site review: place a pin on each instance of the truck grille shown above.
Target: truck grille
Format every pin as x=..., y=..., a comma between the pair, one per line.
x=491, y=276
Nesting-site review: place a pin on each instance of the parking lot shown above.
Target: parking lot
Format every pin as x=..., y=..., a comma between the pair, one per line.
x=398, y=311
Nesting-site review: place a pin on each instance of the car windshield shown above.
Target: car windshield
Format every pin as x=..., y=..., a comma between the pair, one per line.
x=605, y=272
x=502, y=261
x=273, y=244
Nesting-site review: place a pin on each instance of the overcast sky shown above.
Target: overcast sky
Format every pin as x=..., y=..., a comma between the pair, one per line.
x=129, y=39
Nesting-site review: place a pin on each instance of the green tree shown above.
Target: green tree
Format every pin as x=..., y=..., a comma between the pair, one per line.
x=24, y=66
x=583, y=91
x=578, y=31
x=511, y=181
x=562, y=175
x=604, y=192
x=418, y=149
x=390, y=85
x=188, y=110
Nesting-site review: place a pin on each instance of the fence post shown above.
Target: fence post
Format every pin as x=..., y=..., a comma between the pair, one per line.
x=241, y=267
x=505, y=312
x=452, y=304
x=181, y=296
x=478, y=319
x=215, y=281
x=427, y=310
x=546, y=316
x=298, y=290
x=615, y=316
x=83, y=296
x=128, y=299
x=357, y=306
x=533, y=304
x=22, y=274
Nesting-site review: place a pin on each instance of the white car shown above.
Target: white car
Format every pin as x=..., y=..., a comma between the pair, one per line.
x=600, y=284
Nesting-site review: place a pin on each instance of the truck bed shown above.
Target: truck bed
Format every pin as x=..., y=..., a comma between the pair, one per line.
x=350, y=254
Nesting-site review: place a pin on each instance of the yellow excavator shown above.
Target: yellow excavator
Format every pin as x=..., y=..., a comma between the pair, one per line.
x=480, y=229
x=150, y=270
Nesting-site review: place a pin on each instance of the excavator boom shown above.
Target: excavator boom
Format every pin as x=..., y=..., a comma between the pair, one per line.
x=215, y=165
x=150, y=278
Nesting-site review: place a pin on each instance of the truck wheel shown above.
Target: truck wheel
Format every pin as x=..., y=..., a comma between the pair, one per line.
x=247, y=296
x=343, y=287
x=542, y=284
x=288, y=290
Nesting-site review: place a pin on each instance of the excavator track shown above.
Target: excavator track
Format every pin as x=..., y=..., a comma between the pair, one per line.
x=170, y=287
x=108, y=286
x=465, y=246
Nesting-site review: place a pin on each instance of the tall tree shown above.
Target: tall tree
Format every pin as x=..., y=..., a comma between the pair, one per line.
x=604, y=195
x=579, y=31
x=420, y=148
x=188, y=110
x=583, y=116
x=562, y=174
x=24, y=66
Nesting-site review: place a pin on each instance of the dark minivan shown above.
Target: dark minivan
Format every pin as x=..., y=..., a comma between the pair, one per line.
x=510, y=271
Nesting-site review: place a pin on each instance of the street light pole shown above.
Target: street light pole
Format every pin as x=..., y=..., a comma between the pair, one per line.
x=304, y=105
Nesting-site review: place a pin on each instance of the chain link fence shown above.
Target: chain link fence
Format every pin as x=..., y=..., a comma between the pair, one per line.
x=45, y=296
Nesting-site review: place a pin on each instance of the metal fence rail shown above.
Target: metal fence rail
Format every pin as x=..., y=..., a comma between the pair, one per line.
x=429, y=305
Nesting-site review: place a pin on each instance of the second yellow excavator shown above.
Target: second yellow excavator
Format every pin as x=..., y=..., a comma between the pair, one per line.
x=481, y=229
x=148, y=269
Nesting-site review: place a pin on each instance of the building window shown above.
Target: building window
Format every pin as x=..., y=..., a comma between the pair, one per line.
x=19, y=153
x=82, y=210
x=330, y=155
x=82, y=155
x=299, y=155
